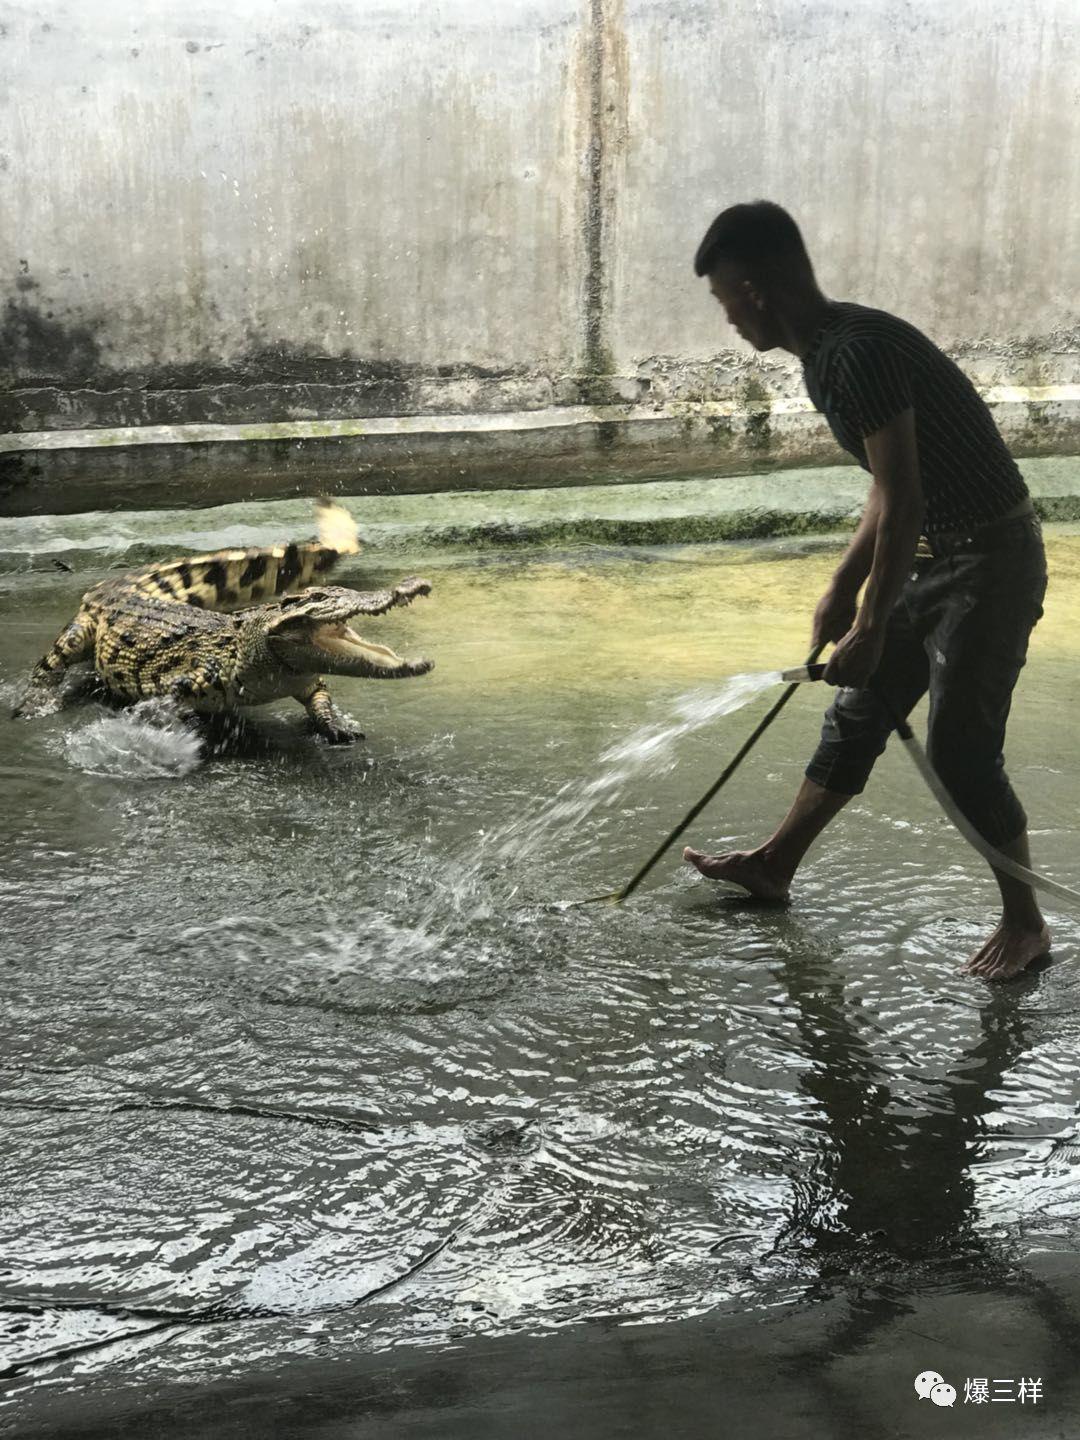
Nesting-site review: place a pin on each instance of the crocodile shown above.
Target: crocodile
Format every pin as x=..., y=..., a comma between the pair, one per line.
x=192, y=630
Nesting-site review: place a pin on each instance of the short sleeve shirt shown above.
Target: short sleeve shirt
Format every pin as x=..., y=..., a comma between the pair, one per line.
x=865, y=367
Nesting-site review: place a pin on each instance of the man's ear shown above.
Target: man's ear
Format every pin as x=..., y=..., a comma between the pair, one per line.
x=753, y=294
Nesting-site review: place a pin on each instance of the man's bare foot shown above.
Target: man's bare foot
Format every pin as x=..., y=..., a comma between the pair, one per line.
x=750, y=869
x=1009, y=950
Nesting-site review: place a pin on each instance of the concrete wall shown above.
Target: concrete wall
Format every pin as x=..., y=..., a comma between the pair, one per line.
x=320, y=191
x=279, y=210
x=930, y=150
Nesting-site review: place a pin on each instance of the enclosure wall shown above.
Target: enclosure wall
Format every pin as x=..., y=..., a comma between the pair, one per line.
x=280, y=211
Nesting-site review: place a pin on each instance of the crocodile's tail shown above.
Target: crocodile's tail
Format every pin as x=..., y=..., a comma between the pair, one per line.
x=230, y=579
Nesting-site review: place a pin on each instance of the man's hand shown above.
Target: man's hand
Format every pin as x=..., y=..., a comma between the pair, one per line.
x=855, y=658
x=834, y=616
x=889, y=531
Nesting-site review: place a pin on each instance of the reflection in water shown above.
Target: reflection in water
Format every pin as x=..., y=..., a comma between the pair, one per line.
x=893, y=1171
x=890, y=1194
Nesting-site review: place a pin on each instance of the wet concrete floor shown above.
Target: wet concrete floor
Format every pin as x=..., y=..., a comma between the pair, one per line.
x=303, y=1053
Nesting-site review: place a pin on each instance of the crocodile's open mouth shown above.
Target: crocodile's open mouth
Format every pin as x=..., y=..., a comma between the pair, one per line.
x=341, y=642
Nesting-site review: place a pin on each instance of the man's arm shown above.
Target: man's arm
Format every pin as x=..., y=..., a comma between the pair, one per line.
x=884, y=544
x=835, y=613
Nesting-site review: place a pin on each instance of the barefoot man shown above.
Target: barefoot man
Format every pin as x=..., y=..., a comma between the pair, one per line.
x=948, y=548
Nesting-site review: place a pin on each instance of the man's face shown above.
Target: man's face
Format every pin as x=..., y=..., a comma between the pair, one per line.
x=744, y=305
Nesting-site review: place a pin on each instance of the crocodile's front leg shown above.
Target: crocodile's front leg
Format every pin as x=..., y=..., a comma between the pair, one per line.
x=325, y=718
x=42, y=695
x=198, y=686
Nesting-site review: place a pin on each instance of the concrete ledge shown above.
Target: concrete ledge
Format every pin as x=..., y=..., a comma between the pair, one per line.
x=68, y=471
x=816, y=501
x=553, y=418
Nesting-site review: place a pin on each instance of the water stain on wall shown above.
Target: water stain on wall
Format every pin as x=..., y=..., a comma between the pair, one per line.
x=601, y=98
x=35, y=345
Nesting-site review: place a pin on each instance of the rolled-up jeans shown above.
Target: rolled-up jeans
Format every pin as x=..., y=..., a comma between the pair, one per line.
x=959, y=630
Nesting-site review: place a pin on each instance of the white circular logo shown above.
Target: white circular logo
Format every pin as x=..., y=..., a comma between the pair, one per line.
x=925, y=1382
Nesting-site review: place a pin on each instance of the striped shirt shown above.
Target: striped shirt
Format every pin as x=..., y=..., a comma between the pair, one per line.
x=864, y=367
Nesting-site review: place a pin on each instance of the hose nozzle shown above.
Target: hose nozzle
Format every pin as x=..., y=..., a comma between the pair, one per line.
x=802, y=673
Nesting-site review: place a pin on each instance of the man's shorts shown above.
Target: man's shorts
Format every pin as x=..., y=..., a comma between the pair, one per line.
x=959, y=630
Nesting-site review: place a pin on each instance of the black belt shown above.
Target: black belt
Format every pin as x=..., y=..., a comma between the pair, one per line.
x=976, y=541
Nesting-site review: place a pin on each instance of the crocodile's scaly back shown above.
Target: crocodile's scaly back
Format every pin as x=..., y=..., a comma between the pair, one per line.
x=231, y=579
x=160, y=630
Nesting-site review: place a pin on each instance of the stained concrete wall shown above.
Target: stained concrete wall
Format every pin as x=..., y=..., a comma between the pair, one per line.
x=281, y=210
x=329, y=193
x=931, y=152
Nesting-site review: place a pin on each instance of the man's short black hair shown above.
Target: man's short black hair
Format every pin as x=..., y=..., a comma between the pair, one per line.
x=760, y=235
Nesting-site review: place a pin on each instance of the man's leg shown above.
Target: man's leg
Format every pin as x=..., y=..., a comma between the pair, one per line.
x=1022, y=934
x=768, y=871
x=978, y=659
x=854, y=733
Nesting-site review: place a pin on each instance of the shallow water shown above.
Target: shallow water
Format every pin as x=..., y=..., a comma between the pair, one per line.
x=303, y=1052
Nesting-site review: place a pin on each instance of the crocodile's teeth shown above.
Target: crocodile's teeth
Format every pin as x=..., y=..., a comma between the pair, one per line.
x=342, y=641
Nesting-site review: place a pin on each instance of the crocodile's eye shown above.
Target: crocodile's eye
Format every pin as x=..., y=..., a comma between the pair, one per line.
x=289, y=625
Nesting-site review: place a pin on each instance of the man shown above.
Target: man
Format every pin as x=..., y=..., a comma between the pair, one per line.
x=949, y=549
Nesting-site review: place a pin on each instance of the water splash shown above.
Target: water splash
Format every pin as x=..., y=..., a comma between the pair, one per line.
x=651, y=750
x=149, y=741
x=473, y=886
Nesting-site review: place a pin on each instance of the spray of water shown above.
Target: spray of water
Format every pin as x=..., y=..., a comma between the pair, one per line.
x=448, y=939
x=650, y=751
x=149, y=741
